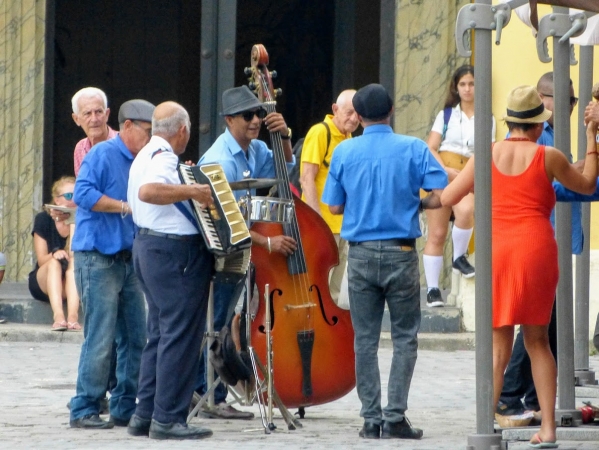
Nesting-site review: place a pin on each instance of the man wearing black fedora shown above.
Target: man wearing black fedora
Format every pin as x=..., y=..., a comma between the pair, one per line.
x=242, y=155
x=374, y=181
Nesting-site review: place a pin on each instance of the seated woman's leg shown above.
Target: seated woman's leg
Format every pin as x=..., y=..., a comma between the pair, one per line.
x=72, y=295
x=49, y=279
x=544, y=373
x=462, y=225
x=432, y=257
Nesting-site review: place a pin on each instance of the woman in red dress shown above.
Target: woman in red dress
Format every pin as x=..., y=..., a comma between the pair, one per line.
x=525, y=270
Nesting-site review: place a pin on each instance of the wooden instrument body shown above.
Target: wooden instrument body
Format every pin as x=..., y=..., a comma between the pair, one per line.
x=332, y=359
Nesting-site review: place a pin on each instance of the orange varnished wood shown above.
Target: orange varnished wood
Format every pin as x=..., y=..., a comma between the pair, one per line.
x=333, y=366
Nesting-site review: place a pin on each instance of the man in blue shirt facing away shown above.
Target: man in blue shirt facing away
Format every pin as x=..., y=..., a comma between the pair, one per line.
x=374, y=180
x=110, y=292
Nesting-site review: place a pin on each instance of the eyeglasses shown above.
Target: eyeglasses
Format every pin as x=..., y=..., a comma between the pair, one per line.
x=249, y=115
x=147, y=130
x=573, y=100
x=66, y=195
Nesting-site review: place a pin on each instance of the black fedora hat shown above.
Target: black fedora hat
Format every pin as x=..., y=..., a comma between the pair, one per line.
x=239, y=99
x=226, y=360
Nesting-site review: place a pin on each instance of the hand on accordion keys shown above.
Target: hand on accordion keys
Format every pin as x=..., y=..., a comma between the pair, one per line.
x=202, y=194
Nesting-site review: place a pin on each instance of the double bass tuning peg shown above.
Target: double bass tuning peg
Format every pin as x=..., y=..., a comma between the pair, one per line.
x=247, y=71
x=252, y=86
x=278, y=92
x=273, y=74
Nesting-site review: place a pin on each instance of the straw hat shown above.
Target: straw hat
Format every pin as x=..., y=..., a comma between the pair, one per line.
x=525, y=106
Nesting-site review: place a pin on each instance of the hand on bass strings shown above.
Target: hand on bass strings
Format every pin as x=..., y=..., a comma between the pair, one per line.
x=276, y=123
x=282, y=244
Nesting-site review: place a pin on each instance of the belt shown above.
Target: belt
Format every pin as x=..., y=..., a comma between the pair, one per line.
x=403, y=244
x=178, y=237
x=125, y=255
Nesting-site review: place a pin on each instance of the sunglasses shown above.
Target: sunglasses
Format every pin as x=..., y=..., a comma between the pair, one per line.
x=66, y=195
x=147, y=130
x=573, y=100
x=249, y=115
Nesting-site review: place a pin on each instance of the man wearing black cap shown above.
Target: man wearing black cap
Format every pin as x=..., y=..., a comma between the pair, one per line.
x=109, y=290
x=374, y=180
x=242, y=155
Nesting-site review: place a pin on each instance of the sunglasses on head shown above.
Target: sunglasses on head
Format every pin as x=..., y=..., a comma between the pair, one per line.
x=66, y=195
x=249, y=115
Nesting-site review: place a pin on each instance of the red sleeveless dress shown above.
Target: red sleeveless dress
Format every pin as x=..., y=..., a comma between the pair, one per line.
x=525, y=270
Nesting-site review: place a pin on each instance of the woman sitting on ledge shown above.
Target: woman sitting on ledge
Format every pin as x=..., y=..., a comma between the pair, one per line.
x=53, y=280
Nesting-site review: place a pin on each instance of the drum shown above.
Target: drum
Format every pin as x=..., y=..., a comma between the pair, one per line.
x=270, y=209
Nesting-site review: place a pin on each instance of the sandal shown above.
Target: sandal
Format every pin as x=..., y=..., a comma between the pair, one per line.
x=59, y=326
x=73, y=326
x=537, y=442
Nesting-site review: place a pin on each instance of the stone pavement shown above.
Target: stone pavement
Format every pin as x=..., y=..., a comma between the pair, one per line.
x=37, y=379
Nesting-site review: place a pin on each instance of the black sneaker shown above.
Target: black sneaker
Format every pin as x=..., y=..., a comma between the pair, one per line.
x=433, y=298
x=91, y=421
x=509, y=410
x=400, y=430
x=463, y=266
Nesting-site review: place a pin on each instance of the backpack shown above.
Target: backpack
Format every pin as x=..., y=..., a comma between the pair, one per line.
x=446, y=117
x=294, y=173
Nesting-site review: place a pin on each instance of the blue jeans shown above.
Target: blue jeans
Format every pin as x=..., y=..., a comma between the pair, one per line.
x=226, y=296
x=114, y=310
x=378, y=273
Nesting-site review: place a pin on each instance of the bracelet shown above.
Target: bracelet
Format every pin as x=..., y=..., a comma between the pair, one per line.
x=268, y=243
x=124, y=211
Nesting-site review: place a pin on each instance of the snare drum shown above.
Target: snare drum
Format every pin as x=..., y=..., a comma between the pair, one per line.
x=270, y=209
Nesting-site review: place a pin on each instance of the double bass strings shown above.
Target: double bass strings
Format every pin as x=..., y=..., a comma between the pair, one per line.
x=301, y=281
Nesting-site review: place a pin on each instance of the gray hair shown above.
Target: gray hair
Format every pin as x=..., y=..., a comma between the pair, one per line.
x=88, y=92
x=171, y=124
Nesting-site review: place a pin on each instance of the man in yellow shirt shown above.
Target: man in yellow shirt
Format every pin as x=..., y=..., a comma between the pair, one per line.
x=317, y=151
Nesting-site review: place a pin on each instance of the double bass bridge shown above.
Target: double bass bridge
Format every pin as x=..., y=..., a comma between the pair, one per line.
x=304, y=305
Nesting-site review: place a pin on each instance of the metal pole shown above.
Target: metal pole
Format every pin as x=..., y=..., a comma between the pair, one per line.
x=563, y=229
x=485, y=438
x=581, y=342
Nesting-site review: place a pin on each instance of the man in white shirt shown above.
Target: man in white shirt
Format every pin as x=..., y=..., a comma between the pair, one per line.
x=175, y=268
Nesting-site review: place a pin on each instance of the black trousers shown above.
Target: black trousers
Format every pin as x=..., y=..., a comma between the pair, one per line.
x=517, y=381
x=175, y=276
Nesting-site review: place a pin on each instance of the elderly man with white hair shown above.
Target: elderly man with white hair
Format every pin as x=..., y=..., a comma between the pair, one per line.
x=90, y=112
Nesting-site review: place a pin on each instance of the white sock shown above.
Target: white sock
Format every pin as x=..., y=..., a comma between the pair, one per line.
x=461, y=239
x=432, y=270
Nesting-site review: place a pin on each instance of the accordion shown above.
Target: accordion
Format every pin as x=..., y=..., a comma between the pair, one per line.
x=222, y=225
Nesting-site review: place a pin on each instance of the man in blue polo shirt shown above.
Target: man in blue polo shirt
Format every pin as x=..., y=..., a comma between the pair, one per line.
x=110, y=292
x=374, y=180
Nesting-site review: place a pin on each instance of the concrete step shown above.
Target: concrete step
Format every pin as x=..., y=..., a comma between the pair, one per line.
x=17, y=306
x=447, y=319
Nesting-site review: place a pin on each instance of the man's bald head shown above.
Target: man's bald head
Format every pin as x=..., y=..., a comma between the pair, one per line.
x=344, y=115
x=171, y=122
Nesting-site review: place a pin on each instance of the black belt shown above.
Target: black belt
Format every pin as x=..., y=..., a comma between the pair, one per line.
x=178, y=237
x=404, y=244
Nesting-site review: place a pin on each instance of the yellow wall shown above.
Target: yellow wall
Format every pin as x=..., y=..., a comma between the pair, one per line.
x=515, y=62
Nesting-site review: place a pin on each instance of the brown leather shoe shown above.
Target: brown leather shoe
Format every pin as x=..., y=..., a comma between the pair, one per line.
x=225, y=411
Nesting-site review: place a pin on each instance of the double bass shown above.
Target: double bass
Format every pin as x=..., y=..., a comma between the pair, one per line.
x=312, y=338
